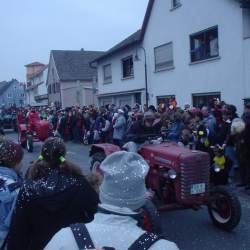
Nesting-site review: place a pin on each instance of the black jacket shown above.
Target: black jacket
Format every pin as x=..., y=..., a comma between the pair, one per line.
x=45, y=206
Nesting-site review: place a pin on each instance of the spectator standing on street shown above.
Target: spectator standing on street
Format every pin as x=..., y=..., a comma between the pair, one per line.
x=55, y=195
x=246, y=114
x=176, y=128
x=11, y=155
x=122, y=194
x=119, y=128
x=210, y=123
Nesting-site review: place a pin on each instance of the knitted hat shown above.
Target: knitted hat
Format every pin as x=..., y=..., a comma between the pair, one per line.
x=124, y=180
x=52, y=149
x=11, y=153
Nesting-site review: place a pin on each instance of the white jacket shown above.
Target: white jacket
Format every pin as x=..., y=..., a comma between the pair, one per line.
x=108, y=230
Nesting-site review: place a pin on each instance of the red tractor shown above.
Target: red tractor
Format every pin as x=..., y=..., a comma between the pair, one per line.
x=28, y=133
x=179, y=178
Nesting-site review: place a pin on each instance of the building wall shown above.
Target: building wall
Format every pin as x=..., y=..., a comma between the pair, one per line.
x=77, y=93
x=118, y=84
x=247, y=68
x=14, y=95
x=246, y=52
x=32, y=70
x=51, y=79
x=38, y=87
x=223, y=75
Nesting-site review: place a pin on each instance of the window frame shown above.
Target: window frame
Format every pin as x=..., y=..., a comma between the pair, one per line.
x=57, y=88
x=165, y=99
x=246, y=23
x=49, y=89
x=54, y=88
x=105, y=79
x=167, y=67
x=122, y=64
x=203, y=32
x=205, y=94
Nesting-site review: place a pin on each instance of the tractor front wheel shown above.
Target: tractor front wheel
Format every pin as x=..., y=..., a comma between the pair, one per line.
x=224, y=208
x=150, y=218
x=96, y=161
x=21, y=139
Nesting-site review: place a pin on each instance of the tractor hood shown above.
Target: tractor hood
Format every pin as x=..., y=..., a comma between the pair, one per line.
x=172, y=154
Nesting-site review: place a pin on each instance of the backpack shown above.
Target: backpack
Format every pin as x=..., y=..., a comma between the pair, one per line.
x=8, y=194
x=84, y=240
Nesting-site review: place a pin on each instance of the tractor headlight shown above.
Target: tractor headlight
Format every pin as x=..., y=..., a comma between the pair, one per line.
x=216, y=169
x=172, y=174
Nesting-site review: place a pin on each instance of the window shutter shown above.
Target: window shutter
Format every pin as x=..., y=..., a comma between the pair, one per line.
x=107, y=72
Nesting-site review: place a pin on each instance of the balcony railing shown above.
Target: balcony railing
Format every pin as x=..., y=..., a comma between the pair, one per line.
x=41, y=97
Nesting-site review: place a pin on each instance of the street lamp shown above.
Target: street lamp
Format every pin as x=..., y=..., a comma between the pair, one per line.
x=145, y=69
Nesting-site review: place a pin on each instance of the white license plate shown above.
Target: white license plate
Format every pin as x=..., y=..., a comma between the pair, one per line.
x=198, y=188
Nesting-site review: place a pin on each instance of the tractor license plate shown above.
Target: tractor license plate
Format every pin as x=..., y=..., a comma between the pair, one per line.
x=198, y=188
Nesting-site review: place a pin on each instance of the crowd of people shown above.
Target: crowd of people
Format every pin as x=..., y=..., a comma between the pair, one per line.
x=57, y=207
x=41, y=211
x=197, y=128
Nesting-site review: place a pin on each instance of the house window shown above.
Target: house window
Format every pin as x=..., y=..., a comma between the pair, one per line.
x=164, y=58
x=107, y=74
x=22, y=95
x=165, y=100
x=49, y=89
x=246, y=23
x=204, y=99
x=53, y=74
x=57, y=87
x=127, y=67
x=138, y=98
x=54, y=88
x=9, y=95
x=176, y=3
x=204, y=45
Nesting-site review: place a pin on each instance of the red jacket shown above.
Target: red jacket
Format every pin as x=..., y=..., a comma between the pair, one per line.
x=33, y=117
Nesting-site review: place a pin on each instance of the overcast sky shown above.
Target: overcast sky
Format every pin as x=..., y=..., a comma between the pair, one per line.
x=29, y=29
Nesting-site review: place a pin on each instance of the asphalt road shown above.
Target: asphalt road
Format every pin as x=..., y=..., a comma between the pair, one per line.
x=189, y=229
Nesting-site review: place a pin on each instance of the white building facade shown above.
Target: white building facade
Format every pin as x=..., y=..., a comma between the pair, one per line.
x=36, y=91
x=121, y=77
x=198, y=50
x=195, y=51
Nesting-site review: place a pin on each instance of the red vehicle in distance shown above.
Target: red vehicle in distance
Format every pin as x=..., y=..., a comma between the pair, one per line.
x=32, y=130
